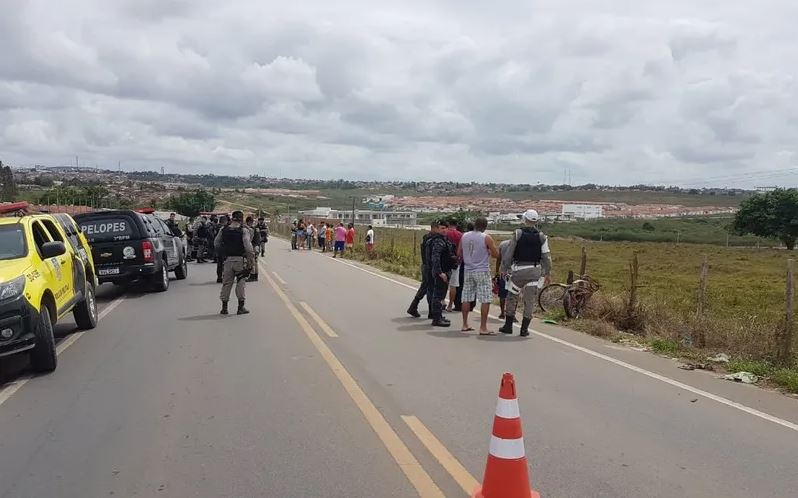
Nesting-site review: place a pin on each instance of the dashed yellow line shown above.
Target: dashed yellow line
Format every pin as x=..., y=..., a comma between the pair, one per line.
x=321, y=323
x=444, y=457
x=415, y=473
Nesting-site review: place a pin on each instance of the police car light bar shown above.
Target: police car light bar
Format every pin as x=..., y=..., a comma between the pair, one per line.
x=17, y=208
x=145, y=210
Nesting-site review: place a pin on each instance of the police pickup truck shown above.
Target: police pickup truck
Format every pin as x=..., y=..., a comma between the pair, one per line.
x=46, y=272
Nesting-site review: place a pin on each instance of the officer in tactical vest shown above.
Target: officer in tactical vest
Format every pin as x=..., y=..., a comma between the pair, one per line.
x=235, y=243
x=224, y=221
x=255, y=237
x=530, y=263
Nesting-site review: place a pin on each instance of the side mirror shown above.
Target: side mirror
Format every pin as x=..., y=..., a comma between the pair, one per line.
x=53, y=249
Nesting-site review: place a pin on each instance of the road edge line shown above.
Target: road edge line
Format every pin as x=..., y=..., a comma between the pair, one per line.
x=278, y=277
x=448, y=461
x=401, y=454
x=667, y=380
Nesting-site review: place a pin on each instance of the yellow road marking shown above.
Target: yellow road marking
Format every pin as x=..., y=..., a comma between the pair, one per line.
x=322, y=324
x=278, y=277
x=439, y=451
x=412, y=469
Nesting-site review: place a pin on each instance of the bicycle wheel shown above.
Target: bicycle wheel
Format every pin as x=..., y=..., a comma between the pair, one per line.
x=574, y=303
x=550, y=298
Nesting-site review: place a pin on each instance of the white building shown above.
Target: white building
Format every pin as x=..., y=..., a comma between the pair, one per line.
x=362, y=216
x=583, y=211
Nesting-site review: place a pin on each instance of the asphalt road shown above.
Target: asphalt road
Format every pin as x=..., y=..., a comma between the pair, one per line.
x=328, y=390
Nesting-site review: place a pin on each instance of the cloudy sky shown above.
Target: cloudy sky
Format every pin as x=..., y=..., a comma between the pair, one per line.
x=613, y=91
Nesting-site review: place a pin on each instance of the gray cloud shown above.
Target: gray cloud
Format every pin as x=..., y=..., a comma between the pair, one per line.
x=618, y=92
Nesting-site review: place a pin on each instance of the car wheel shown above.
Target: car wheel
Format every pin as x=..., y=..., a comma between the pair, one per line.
x=181, y=272
x=86, y=311
x=161, y=281
x=43, y=357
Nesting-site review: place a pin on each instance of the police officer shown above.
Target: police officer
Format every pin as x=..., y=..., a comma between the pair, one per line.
x=441, y=259
x=424, y=289
x=263, y=230
x=172, y=224
x=530, y=261
x=235, y=242
x=224, y=221
x=255, y=235
x=202, y=234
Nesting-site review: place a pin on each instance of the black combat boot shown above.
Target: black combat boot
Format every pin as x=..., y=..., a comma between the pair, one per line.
x=218, y=280
x=508, y=325
x=241, y=309
x=441, y=322
x=413, y=310
x=224, y=308
x=525, y=327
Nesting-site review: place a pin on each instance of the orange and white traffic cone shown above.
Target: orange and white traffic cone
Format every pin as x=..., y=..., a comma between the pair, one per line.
x=506, y=473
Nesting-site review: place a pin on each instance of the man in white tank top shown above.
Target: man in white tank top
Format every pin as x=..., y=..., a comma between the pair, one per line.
x=475, y=250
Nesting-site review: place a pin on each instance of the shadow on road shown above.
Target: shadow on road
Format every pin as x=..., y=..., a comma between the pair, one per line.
x=502, y=338
x=452, y=333
x=419, y=327
x=200, y=318
x=203, y=284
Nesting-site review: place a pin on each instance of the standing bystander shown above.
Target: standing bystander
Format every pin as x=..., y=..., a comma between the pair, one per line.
x=474, y=253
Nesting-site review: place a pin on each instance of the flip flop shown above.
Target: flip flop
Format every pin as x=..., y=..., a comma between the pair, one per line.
x=469, y=329
x=488, y=333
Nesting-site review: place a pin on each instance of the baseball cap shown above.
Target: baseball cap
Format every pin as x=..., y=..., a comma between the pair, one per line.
x=531, y=215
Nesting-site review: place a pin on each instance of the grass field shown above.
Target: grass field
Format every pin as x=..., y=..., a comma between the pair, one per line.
x=706, y=230
x=745, y=292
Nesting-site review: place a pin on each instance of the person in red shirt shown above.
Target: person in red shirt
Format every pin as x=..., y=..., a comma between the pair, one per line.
x=350, y=237
x=454, y=235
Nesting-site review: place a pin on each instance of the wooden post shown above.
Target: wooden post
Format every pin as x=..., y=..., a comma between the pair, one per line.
x=699, y=337
x=415, y=247
x=634, y=269
x=583, y=263
x=570, y=279
x=786, y=339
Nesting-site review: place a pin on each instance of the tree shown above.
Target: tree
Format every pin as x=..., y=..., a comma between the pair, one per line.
x=191, y=204
x=9, y=188
x=772, y=214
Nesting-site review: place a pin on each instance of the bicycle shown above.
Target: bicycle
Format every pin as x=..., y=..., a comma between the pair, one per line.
x=573, y=297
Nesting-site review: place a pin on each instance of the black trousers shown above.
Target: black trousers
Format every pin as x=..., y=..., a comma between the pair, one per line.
x=219, y=265
x=439, y=289
x=423, y=291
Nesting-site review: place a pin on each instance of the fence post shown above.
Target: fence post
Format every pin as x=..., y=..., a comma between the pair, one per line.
x=786, y=339
x=699, y=337
x=583, y=263
x=415, y=247
x=634, y=272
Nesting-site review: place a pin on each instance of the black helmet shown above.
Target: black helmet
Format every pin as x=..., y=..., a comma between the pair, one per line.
x=238, y=216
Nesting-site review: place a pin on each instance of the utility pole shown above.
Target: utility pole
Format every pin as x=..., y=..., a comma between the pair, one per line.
x=77, y=162
x=353, y=210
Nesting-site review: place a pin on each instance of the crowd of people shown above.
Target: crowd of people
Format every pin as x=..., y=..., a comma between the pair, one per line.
x=458, y=264
x=327, y=237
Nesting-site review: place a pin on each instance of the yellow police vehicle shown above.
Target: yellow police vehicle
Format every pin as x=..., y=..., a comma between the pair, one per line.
x=46, y=272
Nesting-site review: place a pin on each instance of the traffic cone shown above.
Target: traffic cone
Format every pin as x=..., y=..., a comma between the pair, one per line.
x=506, y=473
